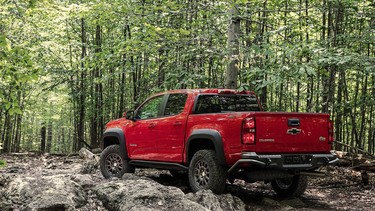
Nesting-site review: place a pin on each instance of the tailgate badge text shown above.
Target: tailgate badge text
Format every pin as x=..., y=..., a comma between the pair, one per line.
x=267, y=140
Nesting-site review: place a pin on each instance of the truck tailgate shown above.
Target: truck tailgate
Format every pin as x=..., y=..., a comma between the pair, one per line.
x=280, y=132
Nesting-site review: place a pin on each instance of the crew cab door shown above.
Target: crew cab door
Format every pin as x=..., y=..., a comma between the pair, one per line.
x=171, y=129
x=142, y=135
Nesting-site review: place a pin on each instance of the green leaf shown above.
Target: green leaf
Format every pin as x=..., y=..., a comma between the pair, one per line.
x=8, y=105
x=3, y=41
x=3, y=163
x=13, y=111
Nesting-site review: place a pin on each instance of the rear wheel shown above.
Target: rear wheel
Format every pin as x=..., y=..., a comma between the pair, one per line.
x=290, y=187
x=206, y=173
x=112, y=164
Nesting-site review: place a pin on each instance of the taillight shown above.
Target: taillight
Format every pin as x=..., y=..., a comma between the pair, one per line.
x=331, y=138
x=248, y=131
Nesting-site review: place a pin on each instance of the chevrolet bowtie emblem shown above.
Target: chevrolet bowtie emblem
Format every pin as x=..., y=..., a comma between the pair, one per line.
x=293, y=131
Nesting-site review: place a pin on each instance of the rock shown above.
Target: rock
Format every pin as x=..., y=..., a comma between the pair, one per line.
x=216, y=202
x=85, y=180
x=15, y=169
x=96, y=150
x=4, y=179
x=93, y=203
x=206, y=198
x=273, y=204
x=89, y=167
x=91, y=161
x=140, y=194
x=229, y=202
x=130, y=176
x=42, y=193
x=270, y=202
x=86, y=154
x=294, y=202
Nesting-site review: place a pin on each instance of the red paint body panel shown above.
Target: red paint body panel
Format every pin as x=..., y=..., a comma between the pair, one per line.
x=272, y=137
x=228, y=125
x=164, y=138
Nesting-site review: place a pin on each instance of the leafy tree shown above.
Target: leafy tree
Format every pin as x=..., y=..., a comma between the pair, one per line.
x=74, y=65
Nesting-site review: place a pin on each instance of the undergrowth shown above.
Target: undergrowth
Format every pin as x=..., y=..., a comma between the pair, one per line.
x=3, y=163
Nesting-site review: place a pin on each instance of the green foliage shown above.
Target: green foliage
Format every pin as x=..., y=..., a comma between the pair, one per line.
x=3, y=163
x=104, y=57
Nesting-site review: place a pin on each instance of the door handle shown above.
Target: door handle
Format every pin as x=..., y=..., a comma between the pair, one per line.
x=151, y=125
x=177, y=124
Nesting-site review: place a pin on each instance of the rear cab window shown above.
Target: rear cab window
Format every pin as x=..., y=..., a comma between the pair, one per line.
x=218, y=103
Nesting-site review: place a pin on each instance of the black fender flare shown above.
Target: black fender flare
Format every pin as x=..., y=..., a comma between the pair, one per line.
x=119, y=135
x=212, y=135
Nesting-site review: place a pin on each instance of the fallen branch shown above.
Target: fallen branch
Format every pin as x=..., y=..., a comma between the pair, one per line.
x=365, y=167
x=355, y=148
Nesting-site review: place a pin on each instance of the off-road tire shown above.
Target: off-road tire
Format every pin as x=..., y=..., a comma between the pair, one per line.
x=206, y=173
x=112, y=164
x=292, y=187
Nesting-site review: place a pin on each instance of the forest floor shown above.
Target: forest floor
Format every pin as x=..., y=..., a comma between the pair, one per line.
x=342, y=189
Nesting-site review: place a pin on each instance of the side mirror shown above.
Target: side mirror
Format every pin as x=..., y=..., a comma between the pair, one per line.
x=129, y=115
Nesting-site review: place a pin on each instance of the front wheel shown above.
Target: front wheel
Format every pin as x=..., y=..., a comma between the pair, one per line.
x=290, y=187
x=112, y=164
x=206, y=173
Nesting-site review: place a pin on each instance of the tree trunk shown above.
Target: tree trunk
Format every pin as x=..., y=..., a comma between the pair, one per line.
x=161, y=73
x=96, y=118
x=82, y=88
x=371, y=132
x=49, y=138
x=17, y=137
x=43, y=138
x=233, y=47
x=63, y=144
x=363, y=114
x=7, y=134
x=338, y=120
x=263, y=96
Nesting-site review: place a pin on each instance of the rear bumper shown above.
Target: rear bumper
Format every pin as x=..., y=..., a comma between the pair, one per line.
x=285, y=161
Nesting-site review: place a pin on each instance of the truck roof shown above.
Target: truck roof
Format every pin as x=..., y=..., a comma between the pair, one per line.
x=211, y=91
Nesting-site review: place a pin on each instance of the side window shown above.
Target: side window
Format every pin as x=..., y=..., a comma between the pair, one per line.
x=150, y=109
x=175, y=104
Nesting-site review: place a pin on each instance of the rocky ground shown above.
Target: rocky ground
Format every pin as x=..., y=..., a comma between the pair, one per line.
x=45, y=182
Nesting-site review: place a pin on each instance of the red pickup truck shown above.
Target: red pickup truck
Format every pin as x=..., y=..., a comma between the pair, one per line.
x=215, y=135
